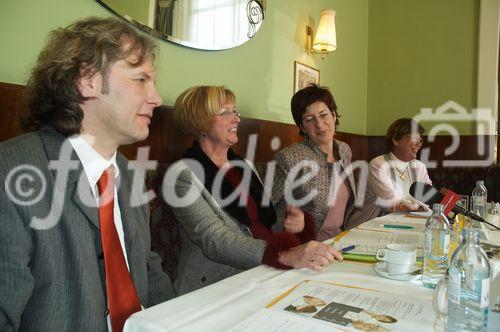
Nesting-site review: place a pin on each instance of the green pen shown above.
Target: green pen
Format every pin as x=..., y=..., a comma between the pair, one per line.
x=399, y=226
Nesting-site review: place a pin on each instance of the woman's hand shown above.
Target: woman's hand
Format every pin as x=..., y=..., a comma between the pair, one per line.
x=294, y=220
x=313, y=255
x=404, y=206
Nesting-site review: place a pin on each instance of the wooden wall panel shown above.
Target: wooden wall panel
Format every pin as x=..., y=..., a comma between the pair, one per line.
x=12, y=107
x=470, y=148
x=165, y=141
x=167, y=144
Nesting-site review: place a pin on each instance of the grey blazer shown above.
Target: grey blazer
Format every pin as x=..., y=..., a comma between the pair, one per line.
x=306, y=150
x=214, y=246
x=53, y=279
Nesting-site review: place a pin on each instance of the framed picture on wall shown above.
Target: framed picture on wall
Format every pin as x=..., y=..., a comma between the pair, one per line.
x=304, y=75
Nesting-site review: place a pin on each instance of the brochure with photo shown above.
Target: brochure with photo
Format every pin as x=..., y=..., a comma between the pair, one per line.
x=315, y=304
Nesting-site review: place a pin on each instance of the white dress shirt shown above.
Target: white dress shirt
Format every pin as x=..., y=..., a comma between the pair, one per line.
x=94, y=165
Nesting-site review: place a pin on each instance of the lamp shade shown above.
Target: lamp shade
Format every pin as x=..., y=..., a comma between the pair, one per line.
x=326, y=36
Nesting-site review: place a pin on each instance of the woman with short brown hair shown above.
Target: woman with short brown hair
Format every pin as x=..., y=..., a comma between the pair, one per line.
x=322, y=160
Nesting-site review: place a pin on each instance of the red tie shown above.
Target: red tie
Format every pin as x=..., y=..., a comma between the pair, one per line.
x=122, y=296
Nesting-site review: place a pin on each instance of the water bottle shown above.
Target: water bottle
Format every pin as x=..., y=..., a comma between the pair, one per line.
x=437, y=241
x=456, y=235
x=468, y=286
x=479, y=198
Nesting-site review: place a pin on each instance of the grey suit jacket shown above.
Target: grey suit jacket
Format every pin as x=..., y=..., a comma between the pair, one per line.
x=214, y=245
x=52, y=279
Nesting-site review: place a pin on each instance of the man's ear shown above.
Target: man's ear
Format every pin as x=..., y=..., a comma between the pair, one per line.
x=394, y=142
x=89, y=85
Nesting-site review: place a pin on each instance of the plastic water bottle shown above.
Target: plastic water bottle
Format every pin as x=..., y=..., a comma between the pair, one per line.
x=468, y=286
x=479, y=199
x=437, y=242
x=456, y=235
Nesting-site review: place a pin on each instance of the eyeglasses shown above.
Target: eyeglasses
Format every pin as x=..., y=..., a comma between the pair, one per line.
x=228, y=112
x=415, y=139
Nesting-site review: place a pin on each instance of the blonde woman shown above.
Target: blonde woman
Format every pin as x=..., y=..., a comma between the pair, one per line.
x=222, y=237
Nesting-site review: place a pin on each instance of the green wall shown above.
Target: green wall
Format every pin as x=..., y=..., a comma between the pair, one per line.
x=421, y=54
x=393, y=56
x=137, y=9
x=260, y=71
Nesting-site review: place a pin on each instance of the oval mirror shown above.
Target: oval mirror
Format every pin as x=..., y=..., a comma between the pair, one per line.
x=202, y=24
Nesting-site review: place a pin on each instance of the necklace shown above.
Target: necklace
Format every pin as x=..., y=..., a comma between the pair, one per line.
x=402, y=174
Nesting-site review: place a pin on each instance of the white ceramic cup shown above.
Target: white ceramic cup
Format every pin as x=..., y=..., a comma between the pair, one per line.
x=399, y=258
x=491, y=218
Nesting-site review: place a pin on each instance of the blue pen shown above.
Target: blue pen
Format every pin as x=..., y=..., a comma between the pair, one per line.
x=399, y=226
x=346, y=249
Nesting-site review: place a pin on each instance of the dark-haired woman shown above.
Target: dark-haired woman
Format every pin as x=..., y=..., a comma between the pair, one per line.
x=319, y=165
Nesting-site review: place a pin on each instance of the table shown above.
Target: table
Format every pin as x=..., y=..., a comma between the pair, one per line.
x=222, y=305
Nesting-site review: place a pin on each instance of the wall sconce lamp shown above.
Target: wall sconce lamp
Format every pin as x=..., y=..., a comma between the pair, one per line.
x=325, y=40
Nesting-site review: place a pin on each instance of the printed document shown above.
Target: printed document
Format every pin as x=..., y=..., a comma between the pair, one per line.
x=315, y=305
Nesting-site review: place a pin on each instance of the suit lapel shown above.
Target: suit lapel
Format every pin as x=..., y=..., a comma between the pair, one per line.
x=134, y=221
x=77, y=186
x=83, y=198
x=130, y=216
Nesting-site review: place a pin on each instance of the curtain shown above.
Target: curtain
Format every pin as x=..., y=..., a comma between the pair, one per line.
x=210, y=23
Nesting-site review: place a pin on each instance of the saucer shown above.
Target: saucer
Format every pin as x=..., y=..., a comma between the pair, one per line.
x=381, y=269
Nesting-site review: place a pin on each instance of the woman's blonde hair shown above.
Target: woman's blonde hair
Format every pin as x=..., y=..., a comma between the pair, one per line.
x=196, y=108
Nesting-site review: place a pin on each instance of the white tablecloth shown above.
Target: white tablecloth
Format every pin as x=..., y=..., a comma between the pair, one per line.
x=224, y=304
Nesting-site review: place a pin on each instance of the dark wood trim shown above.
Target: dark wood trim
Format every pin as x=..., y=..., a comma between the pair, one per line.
x=12, y=108
x=167, y=144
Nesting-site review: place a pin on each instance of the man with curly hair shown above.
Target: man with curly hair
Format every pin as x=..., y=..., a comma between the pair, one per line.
x=77, y=257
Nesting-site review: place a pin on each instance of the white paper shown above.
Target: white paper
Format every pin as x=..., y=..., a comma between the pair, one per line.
x=394, y=225
x=488, y=235
x=368, y=242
